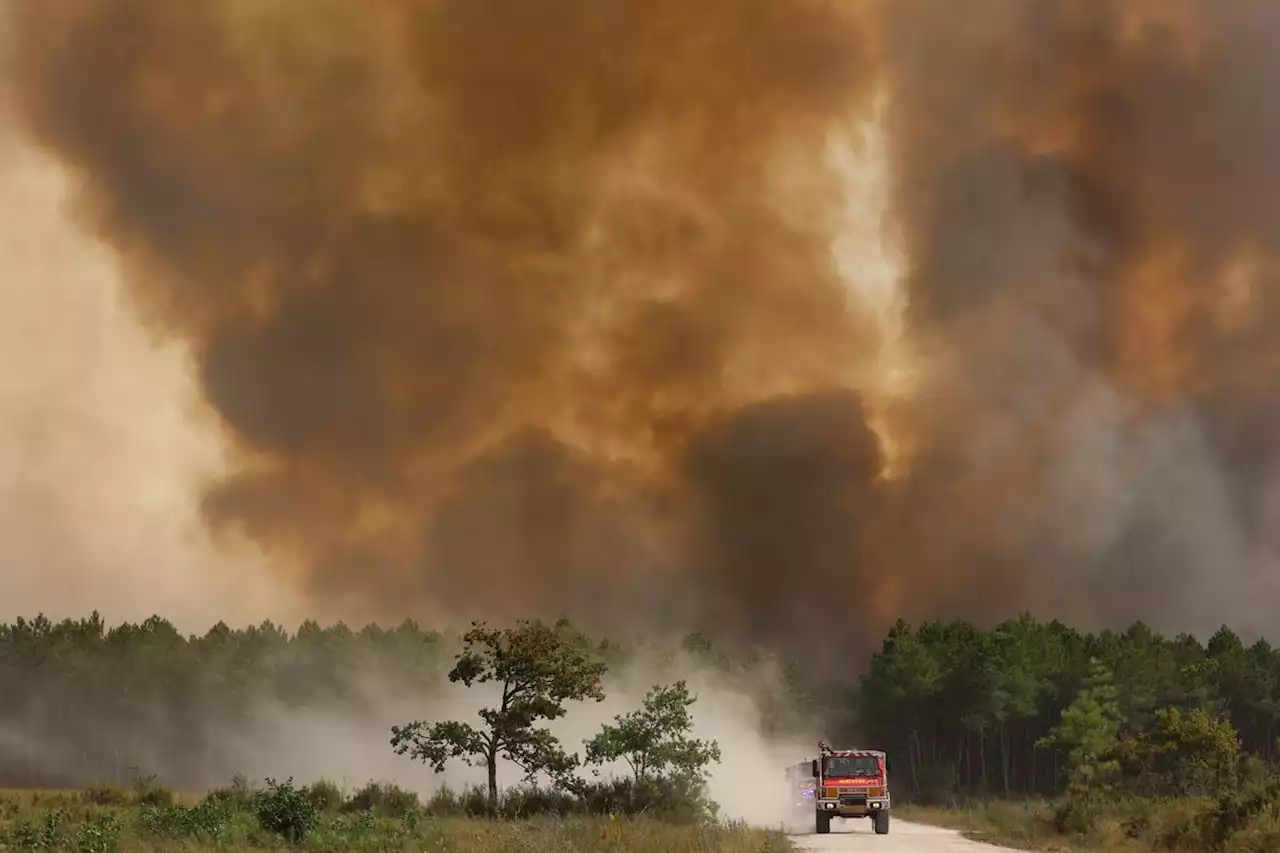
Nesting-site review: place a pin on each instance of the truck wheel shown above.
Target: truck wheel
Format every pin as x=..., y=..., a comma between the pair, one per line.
x=821, y=823
x=881, y=820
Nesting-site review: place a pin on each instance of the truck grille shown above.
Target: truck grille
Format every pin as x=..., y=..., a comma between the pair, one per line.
x=831, y=793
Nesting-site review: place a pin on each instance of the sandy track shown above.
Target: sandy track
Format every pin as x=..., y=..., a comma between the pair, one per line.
x=903, y=837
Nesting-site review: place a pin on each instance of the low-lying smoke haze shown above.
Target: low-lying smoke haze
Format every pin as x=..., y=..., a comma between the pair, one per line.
x=357, y=747
x=779, y=319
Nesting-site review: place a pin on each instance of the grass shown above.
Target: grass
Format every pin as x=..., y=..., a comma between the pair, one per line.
x=1247, y=822
x=1024, y=825
x=378, y=819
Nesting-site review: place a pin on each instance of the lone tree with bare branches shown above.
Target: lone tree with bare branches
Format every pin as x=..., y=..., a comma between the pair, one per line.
x=540, y=668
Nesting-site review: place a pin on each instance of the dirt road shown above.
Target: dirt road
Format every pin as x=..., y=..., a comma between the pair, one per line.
x=856, y=836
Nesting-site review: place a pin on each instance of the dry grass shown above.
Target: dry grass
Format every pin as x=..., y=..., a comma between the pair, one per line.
x=1128, y=826
x=70, y=822
x=1027, y=826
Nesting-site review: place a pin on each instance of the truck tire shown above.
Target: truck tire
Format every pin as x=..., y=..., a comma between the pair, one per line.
x=881, y=820
x=821, y=823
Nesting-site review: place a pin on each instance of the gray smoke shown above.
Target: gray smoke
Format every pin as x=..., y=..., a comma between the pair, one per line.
x=509, y=310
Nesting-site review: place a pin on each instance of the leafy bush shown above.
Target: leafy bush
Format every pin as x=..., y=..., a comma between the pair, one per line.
x=286, y=810
x=44, y=834
x=101, y=835
x=208, y=820
x=57, y=830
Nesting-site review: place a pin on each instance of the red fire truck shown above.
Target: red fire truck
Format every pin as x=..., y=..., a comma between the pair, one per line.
x=845, y=783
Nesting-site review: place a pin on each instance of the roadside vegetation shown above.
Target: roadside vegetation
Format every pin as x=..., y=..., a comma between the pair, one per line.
x=1039, y=736
x=280, y=816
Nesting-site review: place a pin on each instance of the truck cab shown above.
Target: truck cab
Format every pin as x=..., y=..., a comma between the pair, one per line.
x=849, y=784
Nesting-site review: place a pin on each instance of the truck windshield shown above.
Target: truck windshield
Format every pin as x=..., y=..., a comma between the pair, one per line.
x=853, y=765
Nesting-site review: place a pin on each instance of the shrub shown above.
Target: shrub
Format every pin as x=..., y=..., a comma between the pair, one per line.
x=107, y=794
x=285, y=810
x=101, y=835
x=209, y=820
x=47, y=834
x=446, y=802
x=1075, y=815
x=239, y=795
x=148, y=792
x=672, y=800
x=326, y=795
x=385, y=799
x=532, y=800
x=1234, y=812
x=1263, y=837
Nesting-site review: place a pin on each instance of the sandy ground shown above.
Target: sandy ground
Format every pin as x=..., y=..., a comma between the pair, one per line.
x=903, y=837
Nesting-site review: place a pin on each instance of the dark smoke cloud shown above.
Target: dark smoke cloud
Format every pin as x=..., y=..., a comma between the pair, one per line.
x=1087, y=192
x=515, y=307
x=463, y=278
x=787, y=487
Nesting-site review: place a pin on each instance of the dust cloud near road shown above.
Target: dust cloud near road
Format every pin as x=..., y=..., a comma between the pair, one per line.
x=902, y=838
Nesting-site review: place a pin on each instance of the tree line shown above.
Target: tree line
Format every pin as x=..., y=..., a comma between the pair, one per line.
x=82, y=702
x=1037, y=708
x=1025, y=707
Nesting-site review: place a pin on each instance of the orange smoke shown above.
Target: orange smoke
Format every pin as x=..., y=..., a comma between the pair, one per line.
x=534, y=306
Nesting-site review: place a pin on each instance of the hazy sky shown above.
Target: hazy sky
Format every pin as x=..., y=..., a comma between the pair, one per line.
x=103, y=438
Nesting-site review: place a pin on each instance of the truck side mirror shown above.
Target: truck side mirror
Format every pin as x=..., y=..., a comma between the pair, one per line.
x=888, y=766
x=814, y=768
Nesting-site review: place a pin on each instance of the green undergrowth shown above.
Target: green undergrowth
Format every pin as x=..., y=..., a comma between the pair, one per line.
x=1025, y=825
x=322, y=817
x=1247, y=821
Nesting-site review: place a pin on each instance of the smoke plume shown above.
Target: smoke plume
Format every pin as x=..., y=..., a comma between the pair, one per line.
x=518, y=308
